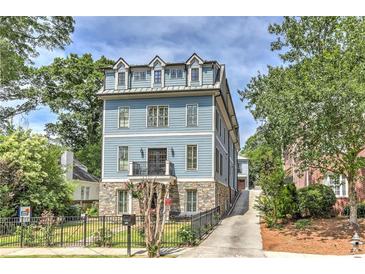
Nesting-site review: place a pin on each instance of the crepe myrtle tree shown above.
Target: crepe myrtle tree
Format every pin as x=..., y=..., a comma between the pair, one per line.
x=313, y=104
x=151, y=196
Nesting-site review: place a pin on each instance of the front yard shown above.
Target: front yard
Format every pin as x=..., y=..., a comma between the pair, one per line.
x=320, y=236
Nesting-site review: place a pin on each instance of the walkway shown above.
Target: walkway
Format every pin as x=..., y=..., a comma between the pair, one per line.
x=237, y=236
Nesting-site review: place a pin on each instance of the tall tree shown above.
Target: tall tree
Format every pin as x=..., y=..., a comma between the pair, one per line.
x=30, y=174
x=68, y=86
x=314, y=103
x=20, y=40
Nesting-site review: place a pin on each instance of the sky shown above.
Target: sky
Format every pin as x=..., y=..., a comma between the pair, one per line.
x=241, y=43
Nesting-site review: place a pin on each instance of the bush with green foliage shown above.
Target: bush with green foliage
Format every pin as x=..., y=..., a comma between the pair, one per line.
x=73, y=210
x=360, y=210
x=187, y=236
x=302, y=224
x=28, y=232
x=92, y=211
x=316, y=200
x=102, y=237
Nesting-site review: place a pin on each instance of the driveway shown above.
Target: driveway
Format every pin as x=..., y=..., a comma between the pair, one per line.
x=237, y=236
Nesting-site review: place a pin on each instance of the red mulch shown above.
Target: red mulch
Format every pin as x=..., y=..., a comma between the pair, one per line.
x=324, y=236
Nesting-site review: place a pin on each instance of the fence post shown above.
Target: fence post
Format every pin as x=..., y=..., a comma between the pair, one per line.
x=21, y=232
x=200, y=225
x=62, y=220
x=85, y=231
x=104, y=242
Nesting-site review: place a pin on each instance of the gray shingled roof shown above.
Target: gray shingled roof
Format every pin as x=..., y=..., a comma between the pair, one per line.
x=80, y=173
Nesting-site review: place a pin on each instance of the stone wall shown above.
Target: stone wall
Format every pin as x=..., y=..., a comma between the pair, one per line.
x=222, y=197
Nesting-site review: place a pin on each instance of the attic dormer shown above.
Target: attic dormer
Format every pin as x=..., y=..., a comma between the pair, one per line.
x=121, y=70
x=195, y=70
x=157, y=66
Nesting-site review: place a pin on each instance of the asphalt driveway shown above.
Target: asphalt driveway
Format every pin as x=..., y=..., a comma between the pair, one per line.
x=237, y=236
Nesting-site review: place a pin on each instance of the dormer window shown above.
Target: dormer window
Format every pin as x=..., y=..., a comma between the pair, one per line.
x=139, y=75
x=121, y=79
x=157, y=76
x=195, y=74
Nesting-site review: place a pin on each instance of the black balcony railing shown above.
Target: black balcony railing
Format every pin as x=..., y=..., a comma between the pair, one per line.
x=152, y=168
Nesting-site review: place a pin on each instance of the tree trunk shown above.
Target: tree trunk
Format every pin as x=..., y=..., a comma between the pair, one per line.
x=353, y=203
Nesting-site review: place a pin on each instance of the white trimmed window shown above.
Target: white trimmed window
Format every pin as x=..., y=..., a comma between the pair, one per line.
x=195, y=74
x=191, y=200
x=339, y=185
x=82, y=193
x=123, y=158
x=87, y=193
x=176, y=73
x=121, y=78
x=157, y=76
x=192, y=115
x=157, y=116
x=123, y=201
x=191, y=157
x=123, y=113
x=139, y=75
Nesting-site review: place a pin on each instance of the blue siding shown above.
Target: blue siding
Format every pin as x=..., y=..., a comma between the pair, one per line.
x=177, y=114
x=177, y=157
x=175, y=81
x=109, y=80
x=141, y=84
x=207, y=75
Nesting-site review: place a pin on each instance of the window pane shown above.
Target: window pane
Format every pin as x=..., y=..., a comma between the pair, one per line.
x=121, y=78
x=192, y=115
x=179, y=73
x=163, y=118
x=157, y=75
x=194, y=74
x=191, y=204
x=124, y=117
x=152, y=116
x=123, y=158
x=123, y=201
x=173, y=73
x=87, y=193
x=191, y=157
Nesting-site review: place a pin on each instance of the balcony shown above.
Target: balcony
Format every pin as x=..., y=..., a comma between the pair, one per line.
x=154, y=170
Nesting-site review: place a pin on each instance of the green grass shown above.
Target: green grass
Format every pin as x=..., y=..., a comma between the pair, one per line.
x=73, y=234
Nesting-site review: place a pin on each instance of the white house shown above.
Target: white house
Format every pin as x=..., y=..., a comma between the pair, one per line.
x=242, y=173
x=86, y=184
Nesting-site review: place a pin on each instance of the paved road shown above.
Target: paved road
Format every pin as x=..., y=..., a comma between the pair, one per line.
x=237, y=236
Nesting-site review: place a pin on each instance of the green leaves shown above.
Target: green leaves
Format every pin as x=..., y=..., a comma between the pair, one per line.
x=30, y=174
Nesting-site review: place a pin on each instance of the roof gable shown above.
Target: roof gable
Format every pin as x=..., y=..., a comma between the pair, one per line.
x=121, y=61
x=194, y=58
x=155, y=60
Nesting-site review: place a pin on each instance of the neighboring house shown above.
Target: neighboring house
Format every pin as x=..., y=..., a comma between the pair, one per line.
x=242, y=173
x=170, y=122
x=86, y=185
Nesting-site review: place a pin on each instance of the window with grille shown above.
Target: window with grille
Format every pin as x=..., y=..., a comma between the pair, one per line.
x=124, y=117
x=192, y=115
x=195, y=74
x=191, y=161
x=123, y=202
x=176, y=73
x=157, y=116
x=139, y=75
x=157, y=76
x=191, y=204
x=123, y=158
x=121, y=78
x=338, y=184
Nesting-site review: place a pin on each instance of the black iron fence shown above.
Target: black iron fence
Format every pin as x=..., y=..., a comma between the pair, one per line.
x=102, y=231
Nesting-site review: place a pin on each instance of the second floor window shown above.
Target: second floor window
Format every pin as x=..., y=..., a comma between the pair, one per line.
x=192, y=115
x=123, y=158
x=157, y=116
x=121, y=78
x=176, y=73
x=195, y=74
x=139, y=75
x=157, y=76
x=216, y=160
x=220, y=164
x=123, y=117
x=192, y=157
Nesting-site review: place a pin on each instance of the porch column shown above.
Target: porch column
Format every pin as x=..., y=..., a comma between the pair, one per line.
x=167, y=171
x=130, y=171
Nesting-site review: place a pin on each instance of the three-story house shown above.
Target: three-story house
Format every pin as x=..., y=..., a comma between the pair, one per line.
x=169, y=122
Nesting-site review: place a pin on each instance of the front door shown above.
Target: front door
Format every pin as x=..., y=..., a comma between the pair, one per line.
x=157, y=161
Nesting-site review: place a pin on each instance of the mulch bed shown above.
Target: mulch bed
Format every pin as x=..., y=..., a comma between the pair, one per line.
x=323, y=236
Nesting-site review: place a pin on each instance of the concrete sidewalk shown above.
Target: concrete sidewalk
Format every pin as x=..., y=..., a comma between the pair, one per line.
x=237, y=236
x=81, y=251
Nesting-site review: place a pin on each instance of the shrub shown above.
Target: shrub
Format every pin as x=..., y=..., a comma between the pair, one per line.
x=92, y=211
x=302, y=224
x=288, y=201
x=29, y=234
x=73, y=210
x=102, y=238
x=188, y=236
x=360, y=210
x=316, y=200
